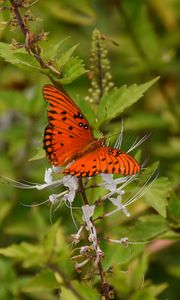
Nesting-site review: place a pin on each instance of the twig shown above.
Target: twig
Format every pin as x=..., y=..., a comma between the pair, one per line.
x=31, y=44
x=104, y=283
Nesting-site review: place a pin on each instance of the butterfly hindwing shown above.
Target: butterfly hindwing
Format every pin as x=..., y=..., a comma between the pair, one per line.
x=67, y=131
x=104, y=160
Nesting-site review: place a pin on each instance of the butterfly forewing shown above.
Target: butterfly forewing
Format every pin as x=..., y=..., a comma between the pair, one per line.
x=67, y=131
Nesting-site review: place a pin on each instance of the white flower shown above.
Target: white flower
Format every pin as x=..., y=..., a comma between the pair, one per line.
x=88, y=212
x=71, y=182
x=117, y=202
x=48, y=175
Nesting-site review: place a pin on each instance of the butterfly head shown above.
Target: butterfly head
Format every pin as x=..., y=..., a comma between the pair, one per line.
x=101, y=142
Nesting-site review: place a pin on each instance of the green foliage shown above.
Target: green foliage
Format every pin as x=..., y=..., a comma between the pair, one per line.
x=18, y=57
x=71, y=12
x=157, y=196
x=72, y=70
x=140, y=40
x=117, y=100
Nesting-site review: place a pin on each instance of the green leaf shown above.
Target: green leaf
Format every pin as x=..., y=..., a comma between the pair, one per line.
x=149, y=293
x=119, y=254
x=158, y=194
x=117, y=100
x=56, y=249
x=51, y=51
x=28, y=254
x=67, y=294
x=73, y=69
x=65, y=57
x=145, y=228
x=54, y=239
x=54, y=242
x=44, y=280
x=79, y=291
x=143, y=29
x=20, y=58
x=130, y=281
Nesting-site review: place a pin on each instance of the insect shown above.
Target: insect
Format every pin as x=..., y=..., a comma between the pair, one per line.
x=68, y=137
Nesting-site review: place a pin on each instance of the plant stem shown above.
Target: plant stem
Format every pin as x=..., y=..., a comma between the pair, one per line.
x=104, y=283
x=31, y=44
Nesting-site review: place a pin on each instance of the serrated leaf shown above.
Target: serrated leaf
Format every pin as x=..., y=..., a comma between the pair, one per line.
x=20, y=58
x=50, y=51
x=157, y=195
x=73, y=69
x=65, y=57
x=117, y=100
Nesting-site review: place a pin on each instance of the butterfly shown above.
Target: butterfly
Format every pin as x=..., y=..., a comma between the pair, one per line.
x=68, y=138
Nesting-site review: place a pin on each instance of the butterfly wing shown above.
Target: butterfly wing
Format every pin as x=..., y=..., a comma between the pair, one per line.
x=67, y=131
x=104, y=160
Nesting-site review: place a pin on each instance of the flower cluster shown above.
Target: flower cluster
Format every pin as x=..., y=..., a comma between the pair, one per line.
x=100, y=75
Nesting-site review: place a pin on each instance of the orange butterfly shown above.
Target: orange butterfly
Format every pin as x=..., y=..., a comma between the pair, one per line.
x=68, y=137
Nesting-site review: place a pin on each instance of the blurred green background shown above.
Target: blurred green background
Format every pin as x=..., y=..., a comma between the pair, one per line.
x=143, y=41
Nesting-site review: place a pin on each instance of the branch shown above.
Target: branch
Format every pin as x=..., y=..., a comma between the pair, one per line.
x=31, y=40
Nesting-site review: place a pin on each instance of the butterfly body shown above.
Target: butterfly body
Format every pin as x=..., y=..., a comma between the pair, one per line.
x=68, y=137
